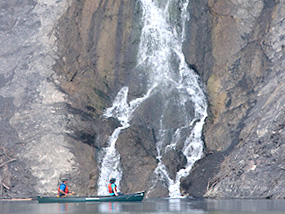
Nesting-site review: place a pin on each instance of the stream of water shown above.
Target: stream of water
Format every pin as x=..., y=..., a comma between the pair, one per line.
x=161, y=60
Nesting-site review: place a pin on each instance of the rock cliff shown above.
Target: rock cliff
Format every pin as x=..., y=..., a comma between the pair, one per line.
x=63, y=63
x=242, y=62
x=36, y=149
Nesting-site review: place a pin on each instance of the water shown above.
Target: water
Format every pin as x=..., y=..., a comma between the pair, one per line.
x=161, y=55
x=191, y=206
x=165, y=76
x=122, y=110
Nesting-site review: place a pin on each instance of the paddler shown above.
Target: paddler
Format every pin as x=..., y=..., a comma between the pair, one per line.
x=63, y=189
x=112, y=187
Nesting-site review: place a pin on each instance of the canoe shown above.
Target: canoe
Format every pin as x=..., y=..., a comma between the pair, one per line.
x=73, y=199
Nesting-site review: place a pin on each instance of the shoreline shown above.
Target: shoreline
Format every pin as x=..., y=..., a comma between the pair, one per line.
x=16, y=199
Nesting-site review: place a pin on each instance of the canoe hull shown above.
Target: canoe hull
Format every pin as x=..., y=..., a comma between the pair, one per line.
x=129, y=197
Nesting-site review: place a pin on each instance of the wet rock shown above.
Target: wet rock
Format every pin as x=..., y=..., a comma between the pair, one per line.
x=174, y=161
x=160, y=191
x=197, y=182
x=136, y=146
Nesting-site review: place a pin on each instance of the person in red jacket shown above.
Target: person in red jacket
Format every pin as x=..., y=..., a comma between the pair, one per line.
x=112, y=187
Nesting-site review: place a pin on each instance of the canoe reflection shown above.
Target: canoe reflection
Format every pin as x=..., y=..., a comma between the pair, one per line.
x=110, y=207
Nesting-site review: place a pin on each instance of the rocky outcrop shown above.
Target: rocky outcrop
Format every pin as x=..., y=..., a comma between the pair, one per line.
x=64, y=64
x=97, y=50
x=36, y=148
x=138, y=158
x=245, y=83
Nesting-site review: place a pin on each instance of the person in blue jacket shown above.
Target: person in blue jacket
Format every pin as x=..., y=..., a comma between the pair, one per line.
x=63, y=189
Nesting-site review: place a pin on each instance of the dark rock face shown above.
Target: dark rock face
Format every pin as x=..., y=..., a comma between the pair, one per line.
x=97, y=43
x=174, y=161
x=246, y=97
x=198, y=38
x=138, y=158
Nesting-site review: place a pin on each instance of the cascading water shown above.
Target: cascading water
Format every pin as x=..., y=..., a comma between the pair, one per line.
x=184, y=109
x=121, y=110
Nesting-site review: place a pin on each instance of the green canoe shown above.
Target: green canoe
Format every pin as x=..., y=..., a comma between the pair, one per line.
x=73, y=199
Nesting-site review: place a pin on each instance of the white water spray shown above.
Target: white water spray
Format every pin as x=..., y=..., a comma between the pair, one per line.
x=161, y=59
x=161, y=44
x=121, y=110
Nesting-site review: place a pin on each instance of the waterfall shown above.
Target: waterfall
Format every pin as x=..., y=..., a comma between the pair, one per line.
x=179, y=124
x=121, y=110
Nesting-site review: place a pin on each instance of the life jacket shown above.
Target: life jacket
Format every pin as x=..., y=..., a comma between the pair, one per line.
x=110, y=188
x=65, y=190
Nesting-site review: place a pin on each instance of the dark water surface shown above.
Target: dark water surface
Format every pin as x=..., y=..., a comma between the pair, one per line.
x=149, y=206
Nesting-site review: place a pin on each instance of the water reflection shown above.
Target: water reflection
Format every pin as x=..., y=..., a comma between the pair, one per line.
x=254, y=206
x=63, y=208
x=192, y=206
x=178, y=204
x=110, y=207
x=174, y=204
